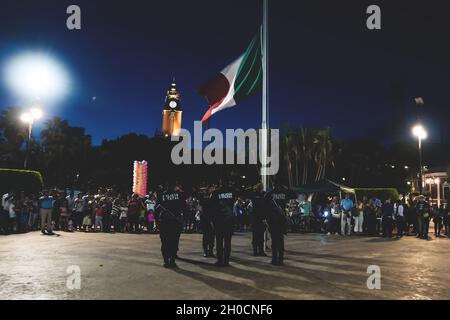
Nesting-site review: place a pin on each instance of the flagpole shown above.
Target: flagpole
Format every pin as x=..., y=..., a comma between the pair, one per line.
x=265, y=94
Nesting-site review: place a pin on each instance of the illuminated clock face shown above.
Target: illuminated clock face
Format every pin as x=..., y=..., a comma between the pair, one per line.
x=173, y=104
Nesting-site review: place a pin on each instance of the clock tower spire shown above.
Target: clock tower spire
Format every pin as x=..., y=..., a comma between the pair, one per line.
x=171, y=115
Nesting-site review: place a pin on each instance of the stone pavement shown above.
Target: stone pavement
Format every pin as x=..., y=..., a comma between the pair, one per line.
x=126, y=266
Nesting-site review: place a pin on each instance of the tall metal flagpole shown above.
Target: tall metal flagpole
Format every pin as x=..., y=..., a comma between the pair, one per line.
x=265, y=93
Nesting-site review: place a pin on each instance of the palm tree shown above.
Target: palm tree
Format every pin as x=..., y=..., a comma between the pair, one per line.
x=285, y=145
x=306, y=146
x=322, y=151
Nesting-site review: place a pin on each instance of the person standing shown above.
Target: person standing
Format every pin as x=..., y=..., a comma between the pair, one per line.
x=437, y=220
x=115, y=213
x=106, y=208
x=46, y=208
x=123, y=218
x=12, y=221
x=222, y=203
x=258, y=217
x=70, y=199
x=78, y=210
x=170, y=206
x=387, y=212
x=335, y=216
x=134, y=210
x=99, y=217
x=238, y=211
x=413, y=221
x=150, y=204
x=64, y=214
x=22, y=213
x=359, y=218
x=346, y=215
x=206, y=225
x=4, y=212
x=276, y=201
x=423, y=210
x=400, y=218
x=445, y=218
x=33, y=217
x=371, y=218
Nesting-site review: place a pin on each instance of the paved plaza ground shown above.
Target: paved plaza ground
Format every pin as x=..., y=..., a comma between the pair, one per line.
x=126, y=266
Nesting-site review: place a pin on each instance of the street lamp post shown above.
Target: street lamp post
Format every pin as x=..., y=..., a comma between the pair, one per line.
x=421, y=134
x=29, y=118
x=437, y=181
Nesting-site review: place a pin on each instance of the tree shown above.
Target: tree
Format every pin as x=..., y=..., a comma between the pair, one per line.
x=322, y=151
x=66, y=152
x=306, y=145
x=12, y=137
x=308, y=149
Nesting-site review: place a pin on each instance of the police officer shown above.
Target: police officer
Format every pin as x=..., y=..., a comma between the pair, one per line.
x=423, y=209
x=170, y=207
x=258, y=217
x=276, y=218
x=222, y=201
x=206, y=225
x=387, y=211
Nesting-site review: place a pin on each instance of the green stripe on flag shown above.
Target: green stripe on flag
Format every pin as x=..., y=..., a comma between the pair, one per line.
x=249, y=74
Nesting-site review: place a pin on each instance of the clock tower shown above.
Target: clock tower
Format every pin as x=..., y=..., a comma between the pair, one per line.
x=171, y=115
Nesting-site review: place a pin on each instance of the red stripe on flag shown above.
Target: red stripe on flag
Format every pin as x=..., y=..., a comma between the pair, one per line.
x=208, y=113
x=214, y=90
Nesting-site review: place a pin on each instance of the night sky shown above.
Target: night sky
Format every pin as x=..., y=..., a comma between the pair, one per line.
x=326, y=67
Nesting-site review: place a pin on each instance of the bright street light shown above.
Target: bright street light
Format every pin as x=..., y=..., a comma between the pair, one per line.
x=29, y=118
x=36, y=75
x=36, y=113
x=26, y=117
x=420, y=133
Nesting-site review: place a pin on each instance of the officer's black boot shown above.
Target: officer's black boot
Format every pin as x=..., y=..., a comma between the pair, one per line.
x=255, y=250
x=220, y=258
x=274, y=252
x=274, y=256
x=280, y=258
x=172, y=263
x=261, y=251
x=226, y=262
x=211, y=252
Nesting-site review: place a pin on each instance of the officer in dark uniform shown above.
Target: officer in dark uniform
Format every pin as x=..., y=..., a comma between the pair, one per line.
x=222, y=201
x=206, y=225
x=170, y=207
x=258, y=217
x=276, y=219
x=423, y=209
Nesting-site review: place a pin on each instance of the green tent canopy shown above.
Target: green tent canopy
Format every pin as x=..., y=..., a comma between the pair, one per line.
x=323, y=186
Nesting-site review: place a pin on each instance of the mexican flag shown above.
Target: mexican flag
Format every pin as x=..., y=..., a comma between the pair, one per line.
x=238, y=80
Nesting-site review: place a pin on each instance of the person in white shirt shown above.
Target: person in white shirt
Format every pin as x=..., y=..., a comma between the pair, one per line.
x=6, y=201
x=12, y=217
x=4, y=212
x=359, y=219
x=71, y=201
x=400, y=218
x=79, y=207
